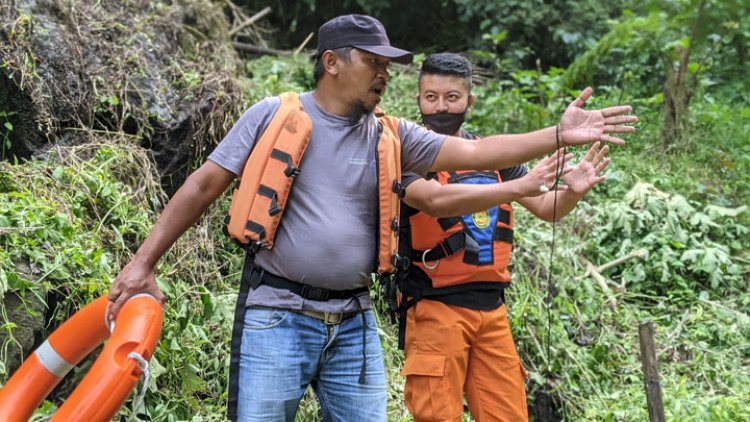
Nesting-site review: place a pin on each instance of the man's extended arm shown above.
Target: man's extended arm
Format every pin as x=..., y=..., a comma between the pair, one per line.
x=437, y=200
x=184, y=209
x=577, y=126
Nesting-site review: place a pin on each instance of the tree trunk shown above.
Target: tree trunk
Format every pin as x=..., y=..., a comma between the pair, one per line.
x=678, y=90
x=676, y=108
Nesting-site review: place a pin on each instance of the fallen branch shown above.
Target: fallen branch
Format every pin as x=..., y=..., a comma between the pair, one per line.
x=596, y=275
x=596, y=272
x=304, y=43
x=255, y=49
x=640, y=253
x=601, y=281
x=251, y=20
x=6, y=230
x=743, y=317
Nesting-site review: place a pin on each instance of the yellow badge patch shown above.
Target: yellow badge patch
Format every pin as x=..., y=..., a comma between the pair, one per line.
x=481, y=219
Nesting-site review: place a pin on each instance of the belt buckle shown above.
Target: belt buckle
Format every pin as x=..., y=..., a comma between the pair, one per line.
x=332, y=318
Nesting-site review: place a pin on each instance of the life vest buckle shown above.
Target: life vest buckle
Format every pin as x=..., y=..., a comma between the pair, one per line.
x=255, y=247
x=395, y=226
x=291, y=171
x=424, y=260
x=398, y=189
x=400, y=262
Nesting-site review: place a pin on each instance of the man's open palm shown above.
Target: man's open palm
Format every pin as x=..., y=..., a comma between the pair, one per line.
x=579, y=126
x=585, y=175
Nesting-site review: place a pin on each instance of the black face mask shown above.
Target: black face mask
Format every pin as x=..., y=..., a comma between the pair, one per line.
x=444, y=122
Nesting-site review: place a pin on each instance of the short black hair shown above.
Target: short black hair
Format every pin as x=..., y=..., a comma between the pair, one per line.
x=319, y=70
x=447, y=64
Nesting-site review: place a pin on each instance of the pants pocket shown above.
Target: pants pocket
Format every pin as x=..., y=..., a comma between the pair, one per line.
x=261, y=318
x=426, y=391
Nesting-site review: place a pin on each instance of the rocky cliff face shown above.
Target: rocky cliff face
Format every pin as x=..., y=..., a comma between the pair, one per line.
x=162, y=72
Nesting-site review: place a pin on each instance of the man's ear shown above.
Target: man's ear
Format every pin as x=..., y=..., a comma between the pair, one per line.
x=330, y=62
x=471, y=102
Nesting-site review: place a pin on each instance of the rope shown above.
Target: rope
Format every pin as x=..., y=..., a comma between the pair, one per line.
x=143, y=365
x=558, y=173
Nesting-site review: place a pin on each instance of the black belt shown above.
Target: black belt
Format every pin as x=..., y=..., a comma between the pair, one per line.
x=261, y=276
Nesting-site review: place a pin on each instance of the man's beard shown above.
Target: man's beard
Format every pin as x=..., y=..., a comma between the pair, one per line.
x=358, y=109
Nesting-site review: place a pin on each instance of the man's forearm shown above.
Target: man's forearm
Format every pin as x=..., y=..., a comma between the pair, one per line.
x=458, y=199
x=190, y=201
x=503, y=151
x=182, y=211
x=543, y=206
x=494, y=152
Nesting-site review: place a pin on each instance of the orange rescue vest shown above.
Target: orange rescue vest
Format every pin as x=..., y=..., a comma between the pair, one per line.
x=265, y=183
x=465, y=249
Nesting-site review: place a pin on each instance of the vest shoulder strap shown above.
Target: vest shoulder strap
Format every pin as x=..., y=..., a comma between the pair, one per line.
x=258, y=201
x=389, y=192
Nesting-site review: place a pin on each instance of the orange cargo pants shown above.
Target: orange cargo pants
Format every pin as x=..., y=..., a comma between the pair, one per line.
x=449, y=350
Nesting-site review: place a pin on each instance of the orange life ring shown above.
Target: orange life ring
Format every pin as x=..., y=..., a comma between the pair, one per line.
x=112, y=377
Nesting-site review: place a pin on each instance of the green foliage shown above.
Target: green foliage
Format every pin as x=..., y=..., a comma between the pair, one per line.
x=691, y=248
x=5, y=131
x=270, y=76
x=42, y=226
x=74, y=240
x=638, y=47
x=537, y=32
x=551, y=33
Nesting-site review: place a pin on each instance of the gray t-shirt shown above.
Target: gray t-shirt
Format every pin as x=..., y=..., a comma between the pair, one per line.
x=328, y=235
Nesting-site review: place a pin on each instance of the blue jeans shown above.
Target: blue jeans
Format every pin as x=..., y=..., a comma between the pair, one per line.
x=283, y=352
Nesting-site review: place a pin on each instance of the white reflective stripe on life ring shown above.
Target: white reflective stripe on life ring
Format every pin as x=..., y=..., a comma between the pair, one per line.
x=52, y=361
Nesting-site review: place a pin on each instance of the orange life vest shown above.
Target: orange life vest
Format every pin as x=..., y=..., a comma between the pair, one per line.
x=465, y=249
x=266, y=180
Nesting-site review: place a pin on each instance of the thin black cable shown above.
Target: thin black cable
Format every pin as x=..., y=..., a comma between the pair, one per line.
x=558, y=173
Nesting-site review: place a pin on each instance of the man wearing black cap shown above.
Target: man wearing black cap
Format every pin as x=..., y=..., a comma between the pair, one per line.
x=307, y=319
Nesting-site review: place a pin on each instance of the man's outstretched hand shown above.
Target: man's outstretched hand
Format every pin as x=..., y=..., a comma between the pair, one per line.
x=585, y=175
x=579, y=126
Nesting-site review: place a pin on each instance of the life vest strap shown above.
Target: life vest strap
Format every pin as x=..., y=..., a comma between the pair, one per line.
x=291, y=170
x=503, y=216
x=503, y=234
x=448, y=222
x=449, y=246
x=270, y=193
x=455, y=243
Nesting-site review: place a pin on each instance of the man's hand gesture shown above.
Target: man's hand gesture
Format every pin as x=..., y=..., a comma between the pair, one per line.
x=585, y=175
x=579, y=126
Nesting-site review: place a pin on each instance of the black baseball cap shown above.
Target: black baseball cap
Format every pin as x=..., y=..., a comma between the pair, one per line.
x=362, y=32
